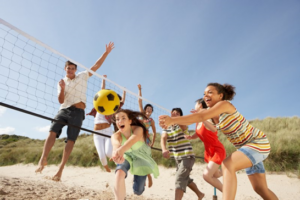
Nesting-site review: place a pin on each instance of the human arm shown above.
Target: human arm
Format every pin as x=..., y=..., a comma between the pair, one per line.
x=100, y=61
x=61, y=95
x=154, y=132
x=163, y=142
x=137, y=135
x=116, y=143
x=140, y=100
x=191, y=137
x=103, y=82
x=209, y=126
x=215, y=111
x=123, y=97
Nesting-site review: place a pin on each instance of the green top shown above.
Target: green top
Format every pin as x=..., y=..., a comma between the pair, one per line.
x=140, y=160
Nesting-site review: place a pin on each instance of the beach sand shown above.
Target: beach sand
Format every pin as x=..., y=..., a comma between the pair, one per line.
x=21, y=182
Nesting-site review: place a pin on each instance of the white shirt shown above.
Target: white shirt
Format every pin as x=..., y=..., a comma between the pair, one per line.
x=100, y=119
x=75, y=89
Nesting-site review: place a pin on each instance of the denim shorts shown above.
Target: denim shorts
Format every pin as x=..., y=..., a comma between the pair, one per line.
x=71, y=115
x=257, y=160
x=138, y=181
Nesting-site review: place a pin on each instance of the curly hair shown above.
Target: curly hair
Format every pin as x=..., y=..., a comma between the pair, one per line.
x=227, y=90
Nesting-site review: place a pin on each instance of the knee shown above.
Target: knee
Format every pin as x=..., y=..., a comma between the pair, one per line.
x=138, y=190
x=120, y=174
x=227, y=166
x=260, y=190
x=206, y=175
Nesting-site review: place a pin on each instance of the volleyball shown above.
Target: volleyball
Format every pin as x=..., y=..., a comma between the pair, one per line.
x=106, y=102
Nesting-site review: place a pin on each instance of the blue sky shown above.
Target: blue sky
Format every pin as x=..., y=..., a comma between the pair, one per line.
x=173, y=48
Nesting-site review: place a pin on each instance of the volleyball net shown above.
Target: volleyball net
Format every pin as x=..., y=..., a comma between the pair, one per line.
x=30, y=72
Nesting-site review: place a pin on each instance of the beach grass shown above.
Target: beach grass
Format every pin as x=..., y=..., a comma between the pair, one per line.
x=283, y=134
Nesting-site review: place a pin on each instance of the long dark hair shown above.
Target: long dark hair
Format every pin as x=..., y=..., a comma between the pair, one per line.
x=133, y=116
x=178, y=110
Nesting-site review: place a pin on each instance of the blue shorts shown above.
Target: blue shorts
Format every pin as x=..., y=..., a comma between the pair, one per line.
x=138, y=181
x=257, y=160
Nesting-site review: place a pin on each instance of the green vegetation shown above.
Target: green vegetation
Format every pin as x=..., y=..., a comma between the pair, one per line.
x=283, y=133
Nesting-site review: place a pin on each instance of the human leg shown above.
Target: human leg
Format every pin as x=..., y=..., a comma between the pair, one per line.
x=259, y=184
x=233, y=163
x=139, y=184
x=66, y=154
x=47, y=147
x=210, y=173
x=120, y=175
x=194, y=187
x=99, y=142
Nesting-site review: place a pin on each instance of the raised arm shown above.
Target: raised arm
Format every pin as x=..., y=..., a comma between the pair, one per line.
x=140, y=100
x=100, y=61
x=123, y=97
x=215, y=111
x=103, y=82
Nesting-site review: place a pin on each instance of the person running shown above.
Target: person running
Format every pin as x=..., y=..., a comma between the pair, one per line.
x=102, y=125
x=214, y=152
x=130, y=152
x=252, y=145
x=72, y=97
x=148, y=122
x=181, y=150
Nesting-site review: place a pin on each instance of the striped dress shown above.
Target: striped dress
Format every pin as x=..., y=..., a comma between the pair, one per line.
x=242, y=134
x=179, y=147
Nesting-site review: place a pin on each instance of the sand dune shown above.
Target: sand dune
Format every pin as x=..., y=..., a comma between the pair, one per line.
x=20, y=182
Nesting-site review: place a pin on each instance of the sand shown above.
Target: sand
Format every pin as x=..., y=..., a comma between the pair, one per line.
x=21, y=182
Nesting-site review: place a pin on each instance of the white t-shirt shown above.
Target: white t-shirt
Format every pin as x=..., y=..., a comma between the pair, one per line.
x=75, y=89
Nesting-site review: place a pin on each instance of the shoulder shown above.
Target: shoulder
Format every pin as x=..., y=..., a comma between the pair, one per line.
x=137, y=130
x=83, y=74
x=116, y=136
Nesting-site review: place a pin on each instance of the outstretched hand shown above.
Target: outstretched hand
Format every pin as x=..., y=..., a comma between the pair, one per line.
x=109, y=47
x=165, y=121
x=139, y=86
x=117, y=157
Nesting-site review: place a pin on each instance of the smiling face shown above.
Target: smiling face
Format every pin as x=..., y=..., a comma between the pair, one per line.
x=123, y=122
x=70, y=71
x=148, y=111
x=211, y=96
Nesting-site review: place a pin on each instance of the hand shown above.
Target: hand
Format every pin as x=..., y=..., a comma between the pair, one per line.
x=166, y=154
x=62, y=84
x=139, y=86
x=151, y=145
x=116, y=157
x=188, y=137
x=165, y=121
x=109, y=47
x=193, y=111
x=105, y=76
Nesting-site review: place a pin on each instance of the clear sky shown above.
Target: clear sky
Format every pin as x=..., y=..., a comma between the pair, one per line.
x=173, y=48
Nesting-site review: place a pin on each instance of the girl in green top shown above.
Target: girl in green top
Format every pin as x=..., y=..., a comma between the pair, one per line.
x=130, y=152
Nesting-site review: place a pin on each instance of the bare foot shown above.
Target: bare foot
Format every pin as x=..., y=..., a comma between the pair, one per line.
x=201, y=196
x=107, y=168
x=55, y=178
x=149, y=180
x=41, y=165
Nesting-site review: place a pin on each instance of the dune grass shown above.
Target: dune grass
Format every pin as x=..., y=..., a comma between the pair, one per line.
x=283, y=133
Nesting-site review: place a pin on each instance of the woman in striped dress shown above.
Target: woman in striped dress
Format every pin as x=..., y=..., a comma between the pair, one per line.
x=252, y=144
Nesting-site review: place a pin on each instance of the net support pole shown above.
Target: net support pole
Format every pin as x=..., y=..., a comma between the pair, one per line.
x=215, y=197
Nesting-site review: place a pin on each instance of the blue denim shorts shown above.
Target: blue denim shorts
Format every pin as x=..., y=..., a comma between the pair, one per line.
x=257, y=160
x=138, y=181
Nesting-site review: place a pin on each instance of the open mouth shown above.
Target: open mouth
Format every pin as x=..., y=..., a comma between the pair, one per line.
x=122, y=126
